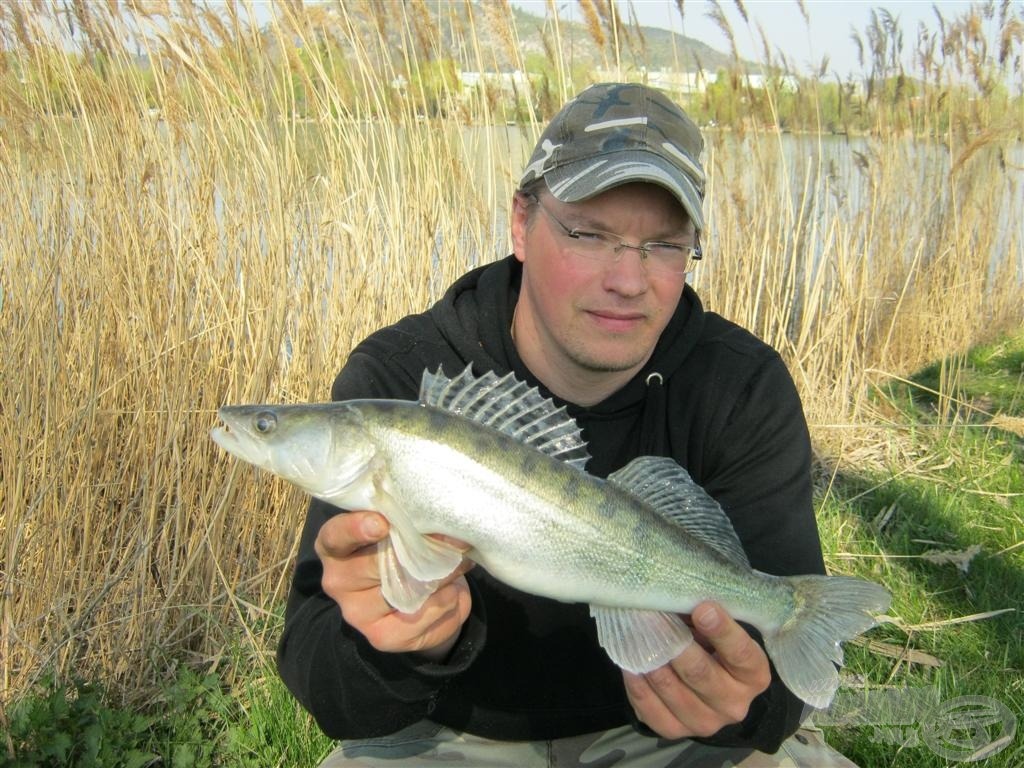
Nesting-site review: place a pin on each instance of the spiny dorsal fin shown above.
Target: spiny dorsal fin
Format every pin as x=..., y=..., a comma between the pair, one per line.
x=669, y=489
x=511, y=407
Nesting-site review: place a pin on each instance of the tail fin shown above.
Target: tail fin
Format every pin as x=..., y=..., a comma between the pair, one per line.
x=829, y=610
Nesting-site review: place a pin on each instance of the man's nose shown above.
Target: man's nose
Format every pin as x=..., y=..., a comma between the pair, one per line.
x=627, y=275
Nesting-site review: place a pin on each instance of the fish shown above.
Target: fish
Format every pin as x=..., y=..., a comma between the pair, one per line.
x=489, y=461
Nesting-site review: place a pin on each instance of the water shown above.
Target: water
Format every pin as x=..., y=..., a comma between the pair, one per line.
x=845, y=174
x=827, y=179
x=841, y=170
x=823, y=179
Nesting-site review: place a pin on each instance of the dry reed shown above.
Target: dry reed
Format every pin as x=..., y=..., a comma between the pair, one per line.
x=222, y=225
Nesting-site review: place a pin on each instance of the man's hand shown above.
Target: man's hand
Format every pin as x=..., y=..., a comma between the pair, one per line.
x=346, y=545
x=707, y=686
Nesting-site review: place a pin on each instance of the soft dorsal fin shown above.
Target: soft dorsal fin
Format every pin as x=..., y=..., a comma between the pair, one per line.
x=669, y=489
x=511, y=407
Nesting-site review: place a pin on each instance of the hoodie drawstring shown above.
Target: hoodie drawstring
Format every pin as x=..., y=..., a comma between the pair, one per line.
x=652, y=421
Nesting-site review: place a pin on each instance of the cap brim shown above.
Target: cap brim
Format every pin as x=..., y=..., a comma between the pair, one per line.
x=583, y=179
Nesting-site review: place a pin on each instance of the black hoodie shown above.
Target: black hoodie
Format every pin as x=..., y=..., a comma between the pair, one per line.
x=713, y=397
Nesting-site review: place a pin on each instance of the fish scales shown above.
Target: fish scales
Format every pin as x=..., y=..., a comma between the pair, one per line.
x=633, y=558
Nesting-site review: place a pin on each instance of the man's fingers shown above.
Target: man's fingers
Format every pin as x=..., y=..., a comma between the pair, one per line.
x=734, y=648
x=649, y=707
x=438, y=618
x=364, y=607
x=669, y=709
x=347, y=546
x=347, y=532
x=709, y=685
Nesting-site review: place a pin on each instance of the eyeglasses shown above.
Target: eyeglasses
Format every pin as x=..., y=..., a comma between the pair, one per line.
x=656, y=255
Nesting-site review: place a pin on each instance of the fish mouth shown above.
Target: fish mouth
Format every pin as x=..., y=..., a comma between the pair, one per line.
x=223, y=436
x=227, y=439
x=223, y=430
x=247, y=432
x=231, y=438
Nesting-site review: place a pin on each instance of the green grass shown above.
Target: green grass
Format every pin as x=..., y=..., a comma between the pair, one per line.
x=199, y=720
x=959, y=490
x=987, y=380
x=942, y=485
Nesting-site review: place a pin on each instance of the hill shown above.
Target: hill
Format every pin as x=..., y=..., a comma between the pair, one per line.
x=640, y=47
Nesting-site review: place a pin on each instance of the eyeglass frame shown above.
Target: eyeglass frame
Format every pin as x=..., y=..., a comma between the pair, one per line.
x=696, y=252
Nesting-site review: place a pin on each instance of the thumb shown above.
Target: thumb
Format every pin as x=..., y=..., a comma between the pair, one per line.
x=345, y=533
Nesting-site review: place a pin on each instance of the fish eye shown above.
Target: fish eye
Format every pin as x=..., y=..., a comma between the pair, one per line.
x=264, y=422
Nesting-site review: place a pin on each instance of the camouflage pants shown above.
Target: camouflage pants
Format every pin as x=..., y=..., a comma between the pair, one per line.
x=428, y=744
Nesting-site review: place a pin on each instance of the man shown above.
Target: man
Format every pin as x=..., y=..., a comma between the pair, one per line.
x=593, y=308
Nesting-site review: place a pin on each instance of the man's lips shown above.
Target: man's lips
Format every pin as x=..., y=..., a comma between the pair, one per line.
x=616, y=320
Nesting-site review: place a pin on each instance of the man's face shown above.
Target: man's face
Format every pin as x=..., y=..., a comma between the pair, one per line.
x=578, y=317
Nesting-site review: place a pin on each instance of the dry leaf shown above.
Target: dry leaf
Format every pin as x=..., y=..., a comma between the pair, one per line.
x=899, y=652
x=961, y=560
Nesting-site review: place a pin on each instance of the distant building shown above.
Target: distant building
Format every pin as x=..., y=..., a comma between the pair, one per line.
x=681, y=83
x=512, y=83
x=784, y=82
x=664, y=79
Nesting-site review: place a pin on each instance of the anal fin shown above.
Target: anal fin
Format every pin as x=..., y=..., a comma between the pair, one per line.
x=640, y=641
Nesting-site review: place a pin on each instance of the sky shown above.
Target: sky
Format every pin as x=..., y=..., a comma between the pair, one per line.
x=831, y=22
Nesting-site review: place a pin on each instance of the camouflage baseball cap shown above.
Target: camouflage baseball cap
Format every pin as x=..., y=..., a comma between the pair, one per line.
x=615, y=133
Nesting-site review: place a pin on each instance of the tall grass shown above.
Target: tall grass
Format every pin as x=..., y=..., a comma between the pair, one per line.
x=851, y=272
x=222, y=223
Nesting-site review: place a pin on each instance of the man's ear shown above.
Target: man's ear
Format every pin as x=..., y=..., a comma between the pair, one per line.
x=520, y=224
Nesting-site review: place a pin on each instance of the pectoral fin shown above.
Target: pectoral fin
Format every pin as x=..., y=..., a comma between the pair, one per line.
x=424, y=558
x=411, y=567
x=411, y=564
x=639, y=641
x=402, y=591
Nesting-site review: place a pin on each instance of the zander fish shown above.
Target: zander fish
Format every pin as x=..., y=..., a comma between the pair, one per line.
x=491, y=462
